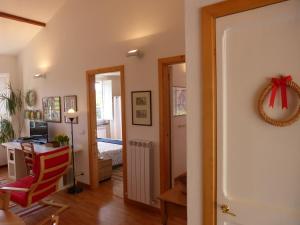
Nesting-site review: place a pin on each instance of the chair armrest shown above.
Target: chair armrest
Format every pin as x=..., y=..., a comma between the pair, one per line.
x=14, y=189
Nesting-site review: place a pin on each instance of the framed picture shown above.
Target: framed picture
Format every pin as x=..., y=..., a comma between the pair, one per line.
x=70, y=102
x=179, y=101
x=52, y=109
x=141, y=108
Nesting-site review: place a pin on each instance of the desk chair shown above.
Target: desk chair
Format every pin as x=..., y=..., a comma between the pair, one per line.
x=29, y=156
x=48, y=168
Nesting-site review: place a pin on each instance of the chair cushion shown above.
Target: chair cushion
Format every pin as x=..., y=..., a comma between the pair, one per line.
x=20, y=197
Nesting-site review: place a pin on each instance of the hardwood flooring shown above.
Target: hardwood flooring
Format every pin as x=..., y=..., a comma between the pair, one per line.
x=117, y=180
x=99, y=207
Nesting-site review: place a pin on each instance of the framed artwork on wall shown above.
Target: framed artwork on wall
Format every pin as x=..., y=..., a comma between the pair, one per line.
x=52, y=109
x=141, y=108
x=179, y=101
x=70, y=102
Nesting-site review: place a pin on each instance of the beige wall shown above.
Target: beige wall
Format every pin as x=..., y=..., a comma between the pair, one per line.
x=194, y=142
x=95, y=34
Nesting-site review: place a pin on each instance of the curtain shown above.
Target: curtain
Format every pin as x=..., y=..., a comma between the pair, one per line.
x=116, y=124
x=107, y=100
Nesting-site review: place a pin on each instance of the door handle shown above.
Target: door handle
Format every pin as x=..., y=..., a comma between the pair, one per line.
x=225, y=209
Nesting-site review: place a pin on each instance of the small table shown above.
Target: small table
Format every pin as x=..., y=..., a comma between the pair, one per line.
x=9, y=218
x=104, y=169
x=173, y=203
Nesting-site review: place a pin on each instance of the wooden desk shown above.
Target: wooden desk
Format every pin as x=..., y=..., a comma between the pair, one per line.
x=9, y=218
x=173, y=203
x=16, y=163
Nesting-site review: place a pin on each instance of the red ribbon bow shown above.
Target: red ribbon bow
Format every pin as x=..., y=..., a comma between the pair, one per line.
x=280, y=82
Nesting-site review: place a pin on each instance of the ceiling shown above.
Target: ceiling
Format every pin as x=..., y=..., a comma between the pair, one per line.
x=15, y=35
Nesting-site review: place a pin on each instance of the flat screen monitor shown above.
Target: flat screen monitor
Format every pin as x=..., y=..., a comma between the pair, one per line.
x=39, y=129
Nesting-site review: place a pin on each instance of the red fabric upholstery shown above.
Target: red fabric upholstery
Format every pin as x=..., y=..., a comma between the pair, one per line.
x=37, y=182
x=18, y=196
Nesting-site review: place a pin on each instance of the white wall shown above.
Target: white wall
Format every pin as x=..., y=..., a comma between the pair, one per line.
x=194, y=132
x=178, y=124
x=95, y=34
x=8, y=64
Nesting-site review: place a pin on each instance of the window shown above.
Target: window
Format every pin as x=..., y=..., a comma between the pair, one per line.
x=104, y=100
x=4, y=81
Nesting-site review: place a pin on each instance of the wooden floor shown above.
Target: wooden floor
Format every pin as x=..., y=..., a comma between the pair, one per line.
x=117, y=181
x=100, y=206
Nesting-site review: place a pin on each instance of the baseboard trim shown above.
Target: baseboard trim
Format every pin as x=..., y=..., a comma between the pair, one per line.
x=142, y=205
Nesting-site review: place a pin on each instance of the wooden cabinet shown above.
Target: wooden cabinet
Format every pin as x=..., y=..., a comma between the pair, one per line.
x=104, y=169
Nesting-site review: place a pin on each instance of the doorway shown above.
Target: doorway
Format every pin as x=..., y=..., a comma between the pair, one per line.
x=107, y=128
x=172, y=93
x=246, y=177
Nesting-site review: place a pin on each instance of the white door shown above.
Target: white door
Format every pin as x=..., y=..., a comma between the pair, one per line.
x=258, y=164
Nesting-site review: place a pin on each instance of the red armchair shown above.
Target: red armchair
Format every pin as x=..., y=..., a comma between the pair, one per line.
x=48, y=168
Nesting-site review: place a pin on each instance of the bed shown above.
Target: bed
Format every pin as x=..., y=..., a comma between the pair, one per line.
x=110, y=149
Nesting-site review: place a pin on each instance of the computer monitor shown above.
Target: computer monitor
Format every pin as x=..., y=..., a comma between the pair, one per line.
x=39, y=129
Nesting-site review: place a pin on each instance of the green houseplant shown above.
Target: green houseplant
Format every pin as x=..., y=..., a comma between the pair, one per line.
x=61, y=140
x=13, y=104
x=6, y=131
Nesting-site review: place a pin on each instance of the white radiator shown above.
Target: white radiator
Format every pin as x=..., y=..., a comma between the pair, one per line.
x=139, y=167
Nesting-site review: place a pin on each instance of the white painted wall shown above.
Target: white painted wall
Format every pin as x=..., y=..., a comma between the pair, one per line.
x=178, y=124
x=194, y=124
x=96, y=34
x=8, y=64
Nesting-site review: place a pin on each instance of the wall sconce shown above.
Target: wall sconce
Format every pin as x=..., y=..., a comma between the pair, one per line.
x=39, y=75
x=135, y=52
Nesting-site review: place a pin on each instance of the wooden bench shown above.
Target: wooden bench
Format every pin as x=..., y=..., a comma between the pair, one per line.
x=174, y=201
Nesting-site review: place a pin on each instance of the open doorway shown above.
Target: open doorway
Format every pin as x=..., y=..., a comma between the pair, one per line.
x=172, y=98
x=107, y=140
x=109, y=129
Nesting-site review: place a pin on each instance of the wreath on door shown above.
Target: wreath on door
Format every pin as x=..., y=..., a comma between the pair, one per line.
x=279, y=83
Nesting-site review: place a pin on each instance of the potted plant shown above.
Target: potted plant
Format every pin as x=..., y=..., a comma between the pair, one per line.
x=13, y=102
x=66, y=140
x=61, y=140
x=6, y=131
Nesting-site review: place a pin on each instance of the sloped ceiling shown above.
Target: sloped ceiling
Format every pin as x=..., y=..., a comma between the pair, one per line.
x=16, y=35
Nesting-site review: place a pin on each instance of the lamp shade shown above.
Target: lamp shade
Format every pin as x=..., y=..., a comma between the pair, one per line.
x=71, y=113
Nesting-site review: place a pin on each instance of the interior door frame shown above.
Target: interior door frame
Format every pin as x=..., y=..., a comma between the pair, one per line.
x=91, y=109
x=165, y=119
x=209, y=14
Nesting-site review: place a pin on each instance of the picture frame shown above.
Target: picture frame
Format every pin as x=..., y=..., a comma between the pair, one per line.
x=52, y=109
x=141, y=108
x=179, y=101
x=70, y=101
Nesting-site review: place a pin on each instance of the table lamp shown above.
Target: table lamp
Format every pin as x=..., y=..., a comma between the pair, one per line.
x=71, y=114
